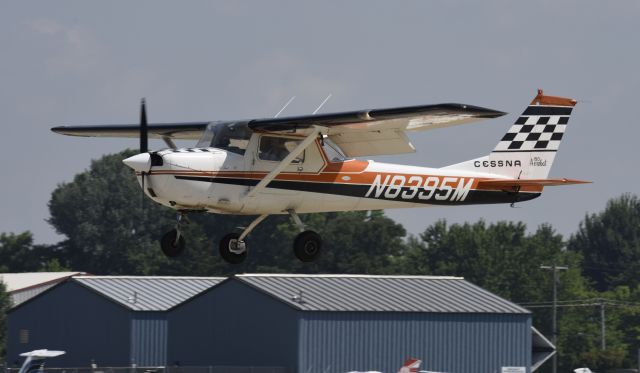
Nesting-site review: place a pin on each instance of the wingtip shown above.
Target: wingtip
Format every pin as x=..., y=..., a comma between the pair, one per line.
x=478, y=111
x=498, y=114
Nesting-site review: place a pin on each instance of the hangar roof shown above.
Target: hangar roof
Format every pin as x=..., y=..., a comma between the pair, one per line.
x=24, y=286
x=23, y=281
x=433, y=294
x=148, y=293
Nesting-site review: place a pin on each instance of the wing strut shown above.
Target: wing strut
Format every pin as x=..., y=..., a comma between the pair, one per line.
x=311, y=137
x=167, y=140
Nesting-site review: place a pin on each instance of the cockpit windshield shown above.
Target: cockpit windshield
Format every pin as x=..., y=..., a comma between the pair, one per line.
x=229, y=136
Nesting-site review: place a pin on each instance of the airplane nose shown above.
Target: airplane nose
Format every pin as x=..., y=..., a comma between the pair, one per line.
x=139, y=162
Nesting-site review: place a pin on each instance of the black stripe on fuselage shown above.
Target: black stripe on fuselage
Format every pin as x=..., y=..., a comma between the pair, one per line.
x=360, y=191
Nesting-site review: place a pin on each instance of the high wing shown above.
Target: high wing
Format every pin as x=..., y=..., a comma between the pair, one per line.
x=183, y=131
x=379, y=131
x=357, y=133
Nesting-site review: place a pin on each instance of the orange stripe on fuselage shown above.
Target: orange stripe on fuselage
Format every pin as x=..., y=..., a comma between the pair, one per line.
x=346, y=176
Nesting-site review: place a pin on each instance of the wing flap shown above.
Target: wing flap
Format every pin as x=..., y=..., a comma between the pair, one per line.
x=358, y=144
x=186, y=131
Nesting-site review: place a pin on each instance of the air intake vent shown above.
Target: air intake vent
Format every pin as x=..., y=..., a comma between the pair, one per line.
x=156, y=159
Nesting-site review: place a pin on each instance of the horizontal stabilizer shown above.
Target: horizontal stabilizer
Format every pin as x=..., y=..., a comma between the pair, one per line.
x=519, y=183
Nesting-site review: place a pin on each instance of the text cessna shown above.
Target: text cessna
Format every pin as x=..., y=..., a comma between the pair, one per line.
x=445, y=188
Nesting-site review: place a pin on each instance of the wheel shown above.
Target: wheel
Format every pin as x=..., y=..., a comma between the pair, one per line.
x=307, y=246
x=232, y=250
x=169, y=246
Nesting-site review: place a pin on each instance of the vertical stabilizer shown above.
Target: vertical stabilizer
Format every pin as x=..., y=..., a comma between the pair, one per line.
x=410, y=366
x=528, y=149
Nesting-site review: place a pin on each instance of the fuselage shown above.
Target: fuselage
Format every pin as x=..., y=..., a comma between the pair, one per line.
x=220, y=181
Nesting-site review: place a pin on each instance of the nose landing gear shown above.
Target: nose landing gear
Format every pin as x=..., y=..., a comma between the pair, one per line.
x=172, y=243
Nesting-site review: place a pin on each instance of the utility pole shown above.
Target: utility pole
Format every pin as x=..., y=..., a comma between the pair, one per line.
x=554, y=322
x=603, y=344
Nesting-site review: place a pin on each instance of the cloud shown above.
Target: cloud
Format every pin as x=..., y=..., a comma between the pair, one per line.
x=70, y=50
x=44, y=26
x=279, y=75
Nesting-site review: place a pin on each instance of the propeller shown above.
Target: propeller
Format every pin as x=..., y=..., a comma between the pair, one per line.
x=144, y=139
x=144, y=136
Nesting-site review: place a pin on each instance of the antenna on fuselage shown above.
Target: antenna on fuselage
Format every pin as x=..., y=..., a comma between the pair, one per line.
x=285, y=106
x=322, y=104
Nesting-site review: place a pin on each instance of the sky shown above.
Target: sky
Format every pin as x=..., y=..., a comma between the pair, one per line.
x=86, y=62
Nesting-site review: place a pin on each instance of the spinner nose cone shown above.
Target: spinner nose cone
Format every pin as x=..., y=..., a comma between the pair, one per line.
x=139, y=162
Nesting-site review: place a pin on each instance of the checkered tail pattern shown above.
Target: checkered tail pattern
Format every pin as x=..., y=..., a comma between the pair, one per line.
x=539, y=129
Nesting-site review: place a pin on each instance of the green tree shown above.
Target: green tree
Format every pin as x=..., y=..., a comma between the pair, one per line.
x=610, y=244
x=500, y=257
x=5, y=303
x=19, y=254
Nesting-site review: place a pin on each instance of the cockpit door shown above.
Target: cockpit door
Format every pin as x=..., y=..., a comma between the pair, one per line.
x=270, y=150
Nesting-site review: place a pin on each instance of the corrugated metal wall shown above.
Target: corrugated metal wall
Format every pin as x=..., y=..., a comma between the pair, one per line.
x=456, y=343
x=149, y=338
x=234, y=325
x=71, y=318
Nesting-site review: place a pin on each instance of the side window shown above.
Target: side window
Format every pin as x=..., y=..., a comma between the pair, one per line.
x=277, y=148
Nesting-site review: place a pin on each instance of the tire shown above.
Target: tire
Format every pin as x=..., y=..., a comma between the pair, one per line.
x=169, y=246
x=307, y=246
x=227, y=245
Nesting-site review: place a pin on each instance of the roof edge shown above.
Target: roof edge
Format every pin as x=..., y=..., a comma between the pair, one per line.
x=153, y=277
x=300, y=275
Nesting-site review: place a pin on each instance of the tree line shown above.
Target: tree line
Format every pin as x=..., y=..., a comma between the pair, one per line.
x=109, y=229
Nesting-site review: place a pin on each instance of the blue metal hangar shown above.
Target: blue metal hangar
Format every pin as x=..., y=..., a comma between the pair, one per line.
x=278, y=322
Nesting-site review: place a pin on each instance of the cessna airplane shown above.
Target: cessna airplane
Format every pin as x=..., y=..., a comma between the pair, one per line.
x=34, y=361
x=307, y=164
x=409, y=366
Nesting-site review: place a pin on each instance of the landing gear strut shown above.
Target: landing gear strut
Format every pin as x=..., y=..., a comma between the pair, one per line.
x=308, y=244
x=172, y=243
x=233, y=248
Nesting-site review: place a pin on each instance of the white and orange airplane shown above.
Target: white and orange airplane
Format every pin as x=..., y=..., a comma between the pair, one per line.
x=307, y=164
x=409, y=366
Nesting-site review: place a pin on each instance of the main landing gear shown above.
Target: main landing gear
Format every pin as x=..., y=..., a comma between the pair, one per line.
x=306, y=246
x=233, y=248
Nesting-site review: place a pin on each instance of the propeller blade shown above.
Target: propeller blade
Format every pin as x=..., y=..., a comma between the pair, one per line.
x=144, y=138
x=142, y=204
